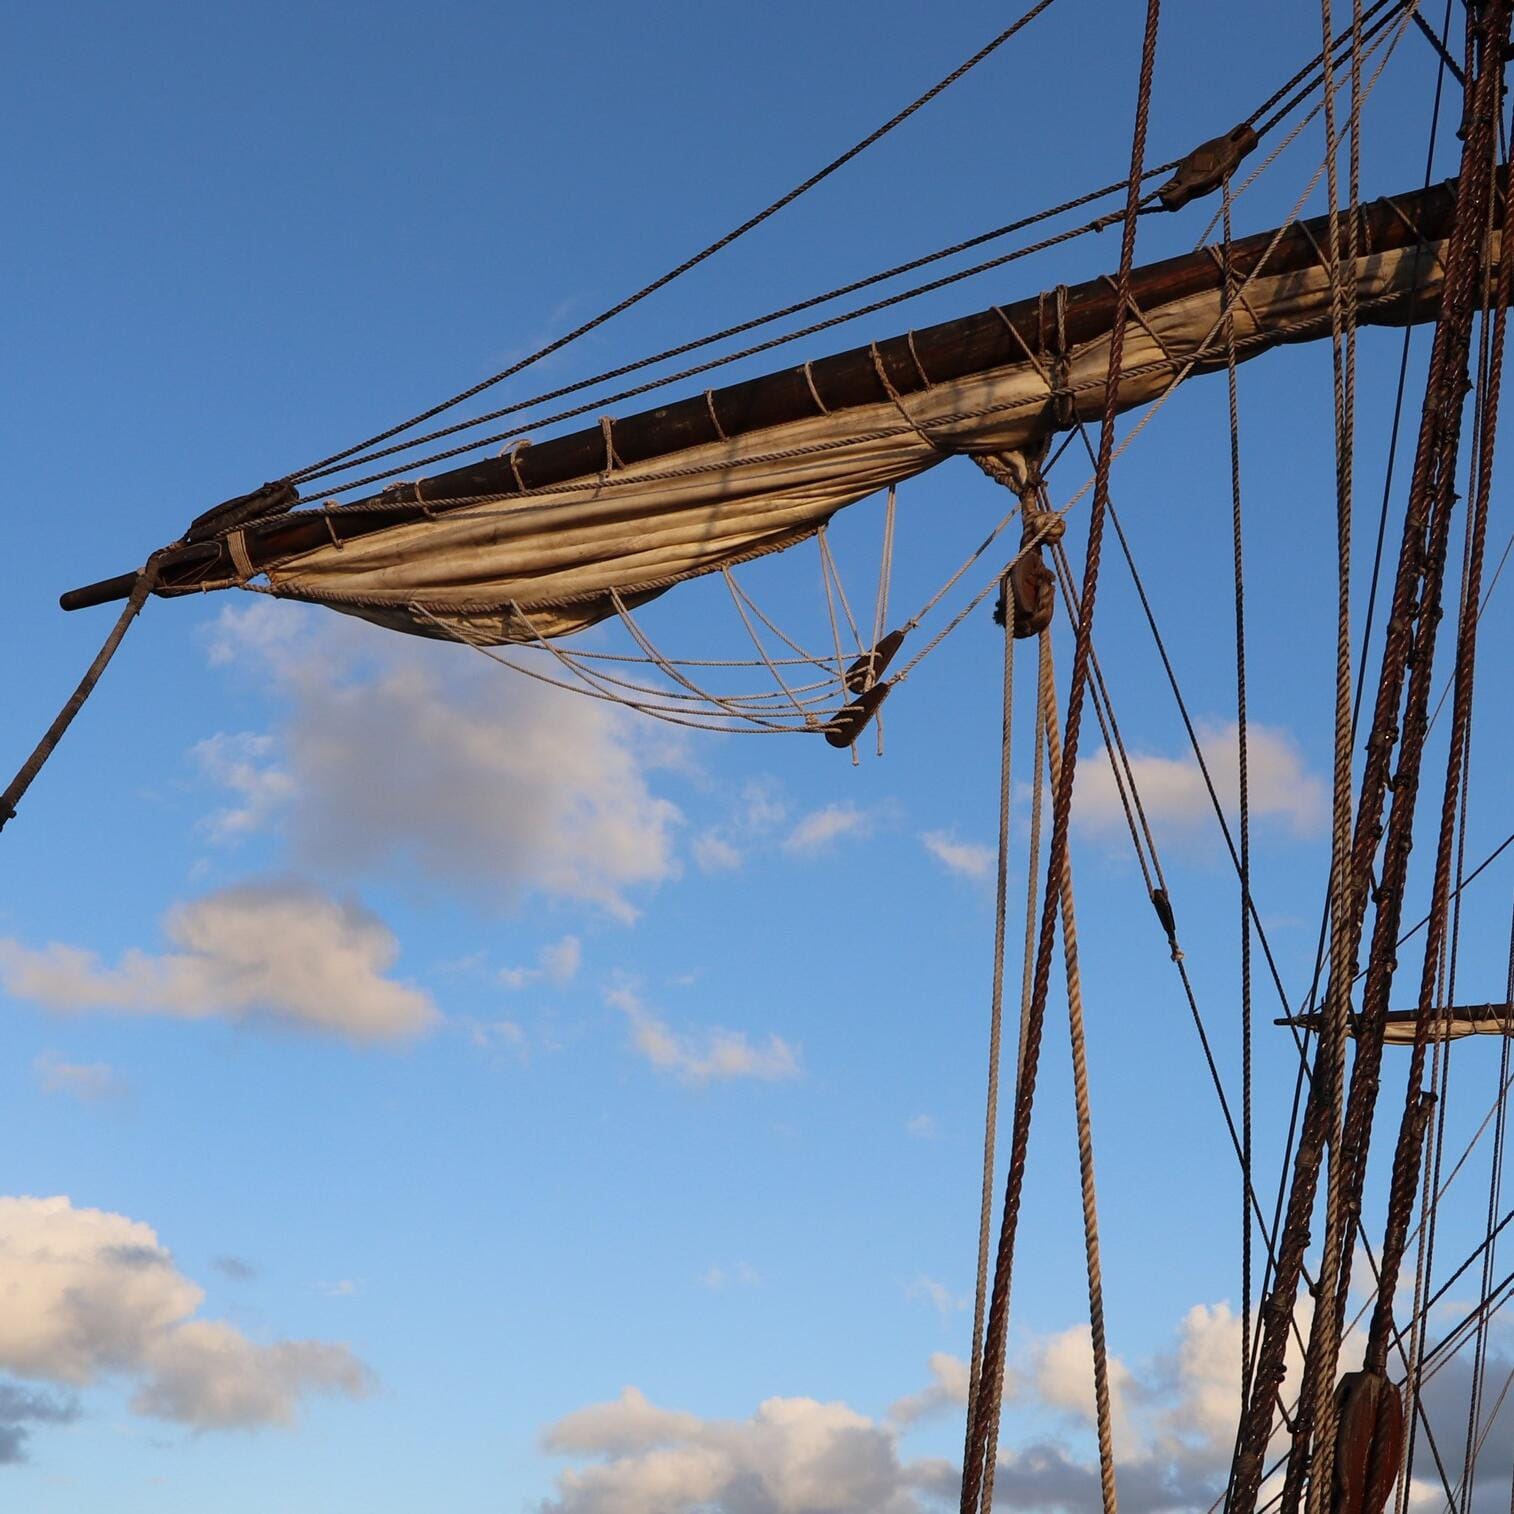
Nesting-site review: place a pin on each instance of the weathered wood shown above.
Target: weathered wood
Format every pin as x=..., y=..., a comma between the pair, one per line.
x=936, y=354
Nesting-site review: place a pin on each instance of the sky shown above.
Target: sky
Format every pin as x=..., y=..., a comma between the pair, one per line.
x=426, y=1089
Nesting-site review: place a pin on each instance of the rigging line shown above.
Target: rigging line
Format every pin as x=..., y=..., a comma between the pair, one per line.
x=1382, y=518
x=699, y=257
x=788, y=641
x=984, y=1436
x=752, y=324
x=1487, y=861
x=1243, y=778
x=1193, y=739
x=900, y=297
x=1314, y=1429
x=1103, y=707
x=1319, y=58
x=347, y=461
x=1081, y=1104
x=1487, y=595
x=770, y=344
x=475, y=506
x=996, y=1000
x=453, y=634
x=1481, y=441
x=851, y=620
x=1486, y=96
x=145, y=582
x=736, y=599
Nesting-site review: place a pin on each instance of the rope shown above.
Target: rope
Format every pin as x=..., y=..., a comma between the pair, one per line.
x=1438, y=435
x=1244, y=785
x=1478, y=160
x=974, y=1469
x=996, y=1001
x=750, y=224
x=347, y=460
x=1045, y=691
x=1317, y=1395
x=1495, y=1192
x=1097, y=224
x=146, y=581
x=1085, y=1128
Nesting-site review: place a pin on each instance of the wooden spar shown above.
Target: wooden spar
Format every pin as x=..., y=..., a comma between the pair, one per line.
x=916, y=361
x=1445, y=1024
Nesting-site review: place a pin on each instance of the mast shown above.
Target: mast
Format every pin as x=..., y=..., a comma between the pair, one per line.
x=1041, y=330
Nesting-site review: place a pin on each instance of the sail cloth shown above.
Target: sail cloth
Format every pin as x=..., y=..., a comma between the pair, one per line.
x=547, y=562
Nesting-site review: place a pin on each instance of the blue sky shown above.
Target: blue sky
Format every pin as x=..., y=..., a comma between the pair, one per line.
x=414, y=1061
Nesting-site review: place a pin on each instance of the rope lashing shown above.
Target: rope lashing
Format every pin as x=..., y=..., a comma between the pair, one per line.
x=146, y=582
x=1029, y=582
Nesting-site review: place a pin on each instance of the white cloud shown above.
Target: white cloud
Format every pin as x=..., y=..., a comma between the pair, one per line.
x=89, y=1082
x=402, y=755
x=717, y=1279
x=921, y=1126
x=556, y=963
x=947, y=1390
x=93, y=1295
x=1174, y=1424
x=716, y=1056
x=1174, y=796
x=714, y=854
x=793, y=1456
x=936, y=1294
x=243, y=762
x=966, y=858
x=272, y=951
x=818, y=831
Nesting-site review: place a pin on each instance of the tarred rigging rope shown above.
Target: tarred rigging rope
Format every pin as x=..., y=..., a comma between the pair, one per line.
x=1410, y=610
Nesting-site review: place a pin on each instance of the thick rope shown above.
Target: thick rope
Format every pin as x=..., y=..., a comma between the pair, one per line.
x=1085, y=1129
x=998, y=1321
x=1044, y=691
x=1317, y=1394
x=1438, y=436
x=146, y=581
x=996, y=999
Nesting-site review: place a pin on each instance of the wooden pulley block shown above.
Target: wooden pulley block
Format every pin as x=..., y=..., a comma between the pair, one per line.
x=1369, y=1442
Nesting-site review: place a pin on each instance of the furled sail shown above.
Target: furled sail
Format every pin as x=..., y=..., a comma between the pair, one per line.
x=555, y=537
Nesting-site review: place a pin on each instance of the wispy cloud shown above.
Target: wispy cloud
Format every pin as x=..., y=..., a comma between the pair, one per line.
x=89, y=1082
x=937, y=1295
x=819, y=831
x=556, y=963
x=965, y=858
x=741, y=1275
x=714, y=1055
